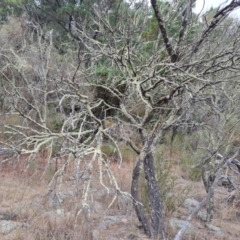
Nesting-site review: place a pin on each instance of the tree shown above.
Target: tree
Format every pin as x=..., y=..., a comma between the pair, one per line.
x=9, y=8
x=166, y=76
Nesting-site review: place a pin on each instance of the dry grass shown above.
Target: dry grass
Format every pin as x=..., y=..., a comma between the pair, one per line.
x=24, y=198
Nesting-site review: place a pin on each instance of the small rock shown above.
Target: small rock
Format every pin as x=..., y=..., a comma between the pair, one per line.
x=103, y=192
x=62, y=197
x=8, y=226
x=214, y=228
x=60, y=211
x=202, y=216
x=97, y=207
x=169, y=195
x=191, y=204
x=110, y=220
x=178, y=224
x=95, y=234
x=58, y=215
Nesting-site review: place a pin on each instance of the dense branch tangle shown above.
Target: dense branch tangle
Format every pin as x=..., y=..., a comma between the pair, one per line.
x=133, y=67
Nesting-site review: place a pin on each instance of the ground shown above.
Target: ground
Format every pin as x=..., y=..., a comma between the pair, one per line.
x=43, y=213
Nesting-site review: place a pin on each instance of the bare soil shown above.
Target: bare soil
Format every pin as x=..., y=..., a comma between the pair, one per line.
x=26, y=197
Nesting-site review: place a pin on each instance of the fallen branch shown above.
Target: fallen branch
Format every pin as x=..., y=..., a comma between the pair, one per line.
x=204, y=201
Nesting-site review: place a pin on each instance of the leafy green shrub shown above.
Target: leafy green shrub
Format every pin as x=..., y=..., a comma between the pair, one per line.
x=102, y=71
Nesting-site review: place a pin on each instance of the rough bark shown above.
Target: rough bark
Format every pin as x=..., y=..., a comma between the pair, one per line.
x=163, y=31
x=155, y=227
x=210, y=204
x=137, y=205
x=158, y=226
x=208, y=180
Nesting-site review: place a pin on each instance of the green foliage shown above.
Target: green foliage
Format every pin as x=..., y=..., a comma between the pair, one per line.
x=11, y=7
x=172, y=14
x=106, y=74
x=65, y=9
x=102, y=71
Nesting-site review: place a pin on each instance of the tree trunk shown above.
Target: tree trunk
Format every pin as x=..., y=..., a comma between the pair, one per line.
x=156, y=227
x=208, y=179
x=137, y=204
x=210, y=204
x=210, y=207
x=158, y=223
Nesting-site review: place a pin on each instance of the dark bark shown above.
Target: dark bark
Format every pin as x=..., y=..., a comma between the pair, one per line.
x=210, y=204
x=221, y=14
x=163, y=30
x=208, y=180
x=158, y=223
x=137, y=205
x=156, y=227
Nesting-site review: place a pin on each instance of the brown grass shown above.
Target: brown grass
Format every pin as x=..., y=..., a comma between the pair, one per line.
x=24, y=198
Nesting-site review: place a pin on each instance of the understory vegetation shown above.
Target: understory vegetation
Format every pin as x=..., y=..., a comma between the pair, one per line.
x=89, y=87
